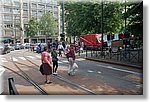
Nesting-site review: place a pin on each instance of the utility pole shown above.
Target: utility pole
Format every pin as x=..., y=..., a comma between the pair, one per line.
x=63, y=19
x=125, y=16
x=15, y=29
x=125, y=30
x=102, y=25
x=21, y=23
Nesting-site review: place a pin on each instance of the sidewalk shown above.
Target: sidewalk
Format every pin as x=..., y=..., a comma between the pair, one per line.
x=110, y=61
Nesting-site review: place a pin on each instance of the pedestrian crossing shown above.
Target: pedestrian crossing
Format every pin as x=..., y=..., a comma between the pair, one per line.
x=3, y=59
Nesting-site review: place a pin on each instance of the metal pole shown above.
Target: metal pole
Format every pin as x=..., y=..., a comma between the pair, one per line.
x=63, y=17
x=21, y=23
x=102, y=26
x=125, y=30
x=125, y=16
x=15, y=29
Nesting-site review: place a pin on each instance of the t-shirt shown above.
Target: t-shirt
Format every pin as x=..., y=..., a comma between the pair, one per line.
x=45, y=54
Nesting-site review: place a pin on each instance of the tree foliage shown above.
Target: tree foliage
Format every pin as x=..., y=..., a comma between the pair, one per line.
x=47, y=24
x=134, y=16
x=32, y=27
x=84, y=18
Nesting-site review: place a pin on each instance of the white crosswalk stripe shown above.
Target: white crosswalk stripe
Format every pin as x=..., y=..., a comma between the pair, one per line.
x=31, y=57
x=65, y=61
x=14, y=59
x=59, y=62
x=38, y=56
x=3, y=60
x=22, y=58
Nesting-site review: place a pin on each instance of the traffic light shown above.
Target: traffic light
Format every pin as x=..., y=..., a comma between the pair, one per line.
x=108, y=37
x=62, y=35
x=112, y=36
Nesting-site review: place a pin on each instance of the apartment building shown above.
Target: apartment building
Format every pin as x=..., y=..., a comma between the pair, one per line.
x=15, y=14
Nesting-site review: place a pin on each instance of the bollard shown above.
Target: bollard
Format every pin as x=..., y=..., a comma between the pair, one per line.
x=12, y=88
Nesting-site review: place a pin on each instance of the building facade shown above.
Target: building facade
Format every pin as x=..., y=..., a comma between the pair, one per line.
x=15, y=14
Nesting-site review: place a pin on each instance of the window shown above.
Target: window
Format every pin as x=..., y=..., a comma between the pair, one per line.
x=41, y=6
x=8, y=26
x=7, y=10
x=33, y=5
x=17, y=4
x=8, y=18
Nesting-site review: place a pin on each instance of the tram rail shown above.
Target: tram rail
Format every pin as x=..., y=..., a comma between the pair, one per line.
x=66, y=80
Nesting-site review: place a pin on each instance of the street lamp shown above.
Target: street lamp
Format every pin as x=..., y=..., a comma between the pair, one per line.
x=102, y=25
x=63, y=19
x=15, y=29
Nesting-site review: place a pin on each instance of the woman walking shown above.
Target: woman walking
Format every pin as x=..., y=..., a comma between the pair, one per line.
x=47, y=65
x=71, y=58
x=54, y=60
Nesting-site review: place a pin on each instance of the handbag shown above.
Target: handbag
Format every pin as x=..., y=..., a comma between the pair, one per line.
x=41, y=69
x=75, y=66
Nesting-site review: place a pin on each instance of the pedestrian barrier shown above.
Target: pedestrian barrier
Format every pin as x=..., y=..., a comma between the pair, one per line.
x=125, y=56
x=12, y=88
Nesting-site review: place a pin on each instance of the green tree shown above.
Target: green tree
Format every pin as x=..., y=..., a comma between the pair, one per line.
x=134, y=17
x=32, y=27
x=84, y=18
x=47, y=24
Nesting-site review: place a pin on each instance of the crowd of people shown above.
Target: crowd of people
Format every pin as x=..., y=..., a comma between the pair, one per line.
x=50, y=63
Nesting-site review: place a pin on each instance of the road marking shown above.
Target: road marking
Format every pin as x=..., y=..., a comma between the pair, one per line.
x=139, y=86
x=31, y=57
x=122, y=70
x=59, y=62
x=65, y=61
x=14, y=59
x=4, y=60
x=99, y=72
x=22, y=58
x=90, y=71
x=38, y=56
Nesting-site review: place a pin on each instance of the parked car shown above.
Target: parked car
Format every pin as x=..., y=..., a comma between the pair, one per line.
x=36, y=46
x=26, y=45
x=4, y=49
x=11, y=47
x=18, y=46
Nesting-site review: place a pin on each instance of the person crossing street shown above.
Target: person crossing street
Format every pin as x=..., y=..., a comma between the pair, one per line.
x=54, y=60
x=71, y=58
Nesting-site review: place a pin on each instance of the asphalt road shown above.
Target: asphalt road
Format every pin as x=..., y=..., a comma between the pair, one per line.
x=124, y=80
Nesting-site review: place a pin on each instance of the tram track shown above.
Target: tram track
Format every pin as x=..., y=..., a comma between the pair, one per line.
x=65, y=79
x=25, y=76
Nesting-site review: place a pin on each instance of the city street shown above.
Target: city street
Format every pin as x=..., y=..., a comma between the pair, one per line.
x=90, y=78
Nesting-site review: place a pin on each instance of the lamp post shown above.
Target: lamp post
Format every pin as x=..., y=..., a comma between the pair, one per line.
x=102, y=25
x=63, y=18
x=15, y=29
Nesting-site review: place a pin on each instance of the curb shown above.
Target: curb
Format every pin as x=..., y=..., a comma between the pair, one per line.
x=117, y=63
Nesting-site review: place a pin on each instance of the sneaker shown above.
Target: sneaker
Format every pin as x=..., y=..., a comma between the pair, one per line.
x=49, y=82
x=54, y=73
